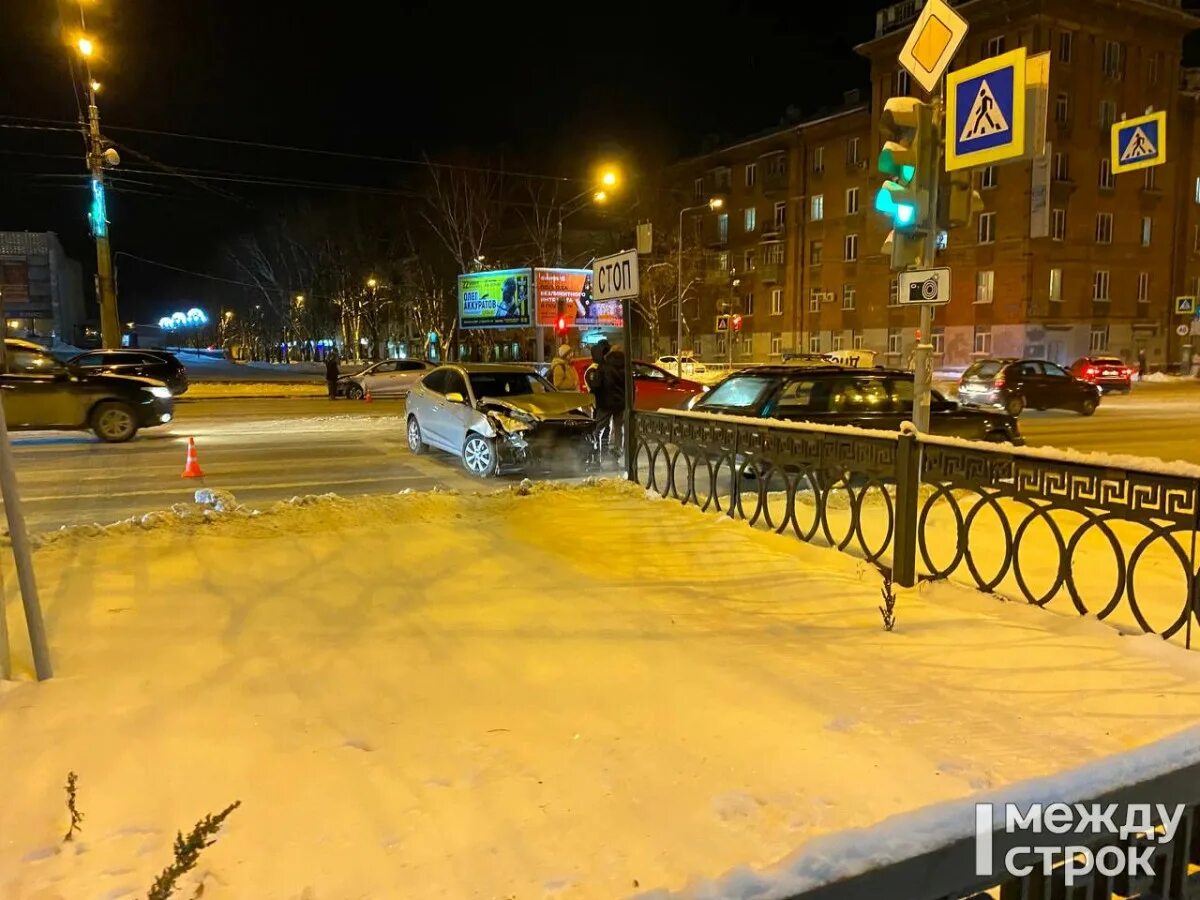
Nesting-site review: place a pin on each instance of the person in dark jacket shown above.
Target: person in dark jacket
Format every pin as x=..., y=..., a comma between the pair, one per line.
x=610, y=398
x=332, y=373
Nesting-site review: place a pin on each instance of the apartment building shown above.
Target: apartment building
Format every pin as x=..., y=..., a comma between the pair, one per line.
x=797, y=247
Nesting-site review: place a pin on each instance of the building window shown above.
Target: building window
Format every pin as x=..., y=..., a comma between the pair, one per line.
x=894, y=291
x=1110, y=61
x=993, y=47
x=774, y=253
x=814, y=342
x=818, y=160
x=1065, y=40
x=1198, y=190
x=852, y=200
x=1143, y=290
x=988, y=178
x=698, y=189
x=750, y=218
x=850, y=247
x=723, y=261
x=814, y=299
x=901, y=83
x=839, y=342
x=722, y=227
x=852, y=151
x=1196, y=239
x=856, y=340
x=1062, y=108
x=1147, y=227
x=1056, y=285
x=1100, y=286
x=1107, y=180
x=1061, y=168
x=983, y=340
x=816, y=252
x=987, y=228
x=1058, y=224
x=894, y=338
x=985, y=282
x=1099, y=339
x=1152, y=72
x=777, y=301
x=938, y=340
x=776, y=344
x=849, y=296
x=1108, y=114
x=748, y=303
x=1150, y=179
x=751, y=174
x=816, y=210
x=750, y=260
x=781, y=214
x=1104, y=225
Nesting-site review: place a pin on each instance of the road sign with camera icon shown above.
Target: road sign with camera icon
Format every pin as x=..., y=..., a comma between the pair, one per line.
x=930, y=286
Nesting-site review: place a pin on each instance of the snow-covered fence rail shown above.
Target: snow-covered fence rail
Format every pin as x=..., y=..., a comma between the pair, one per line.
x=1114, y=538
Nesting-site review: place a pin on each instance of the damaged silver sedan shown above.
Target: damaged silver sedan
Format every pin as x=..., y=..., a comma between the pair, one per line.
x=498, y=418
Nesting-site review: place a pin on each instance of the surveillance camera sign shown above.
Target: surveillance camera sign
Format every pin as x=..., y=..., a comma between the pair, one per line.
x=930, y=286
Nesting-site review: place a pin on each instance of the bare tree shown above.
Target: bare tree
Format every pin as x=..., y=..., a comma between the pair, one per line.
x=463, y=211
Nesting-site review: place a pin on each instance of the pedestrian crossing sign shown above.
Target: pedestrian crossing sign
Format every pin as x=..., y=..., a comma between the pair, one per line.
x=985, y=112
x=1185, y=306
x=1139, y=143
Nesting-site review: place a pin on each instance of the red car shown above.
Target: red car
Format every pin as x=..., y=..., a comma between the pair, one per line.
x=1106, y=372
x=653, y=388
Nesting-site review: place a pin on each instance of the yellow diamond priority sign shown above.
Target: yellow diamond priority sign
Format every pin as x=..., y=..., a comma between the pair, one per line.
x=932, y=43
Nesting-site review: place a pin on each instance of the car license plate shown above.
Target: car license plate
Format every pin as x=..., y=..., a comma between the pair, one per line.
x=1109, y=373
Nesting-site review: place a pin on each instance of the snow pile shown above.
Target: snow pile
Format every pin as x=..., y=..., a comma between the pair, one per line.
x=221, y=390
x=543, y=690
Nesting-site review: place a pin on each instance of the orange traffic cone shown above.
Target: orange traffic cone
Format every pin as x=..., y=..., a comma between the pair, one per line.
x=192, y=468
x=367, y=396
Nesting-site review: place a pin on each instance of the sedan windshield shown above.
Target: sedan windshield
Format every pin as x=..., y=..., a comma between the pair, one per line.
x=741, y=393
x=508, y=384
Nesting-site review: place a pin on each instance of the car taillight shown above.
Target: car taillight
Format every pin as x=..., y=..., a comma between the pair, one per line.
x=1089, y=372
x=998, y=382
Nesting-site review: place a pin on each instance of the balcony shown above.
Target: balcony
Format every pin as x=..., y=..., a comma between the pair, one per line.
x=715, y=276
x=770, y=273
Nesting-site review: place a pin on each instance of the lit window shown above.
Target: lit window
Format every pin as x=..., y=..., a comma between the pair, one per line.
x=1056, y=285
x=750, y=218
x=985, y=282
x=1147, y=226
x=817, y=205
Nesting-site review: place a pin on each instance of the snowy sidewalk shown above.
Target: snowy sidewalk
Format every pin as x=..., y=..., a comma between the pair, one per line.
x=578, y=693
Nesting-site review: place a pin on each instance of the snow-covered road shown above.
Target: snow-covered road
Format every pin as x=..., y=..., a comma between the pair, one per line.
x=578, y=693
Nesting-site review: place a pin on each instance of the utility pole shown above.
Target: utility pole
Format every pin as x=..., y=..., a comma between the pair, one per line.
x=99, y=156
x=923, y=358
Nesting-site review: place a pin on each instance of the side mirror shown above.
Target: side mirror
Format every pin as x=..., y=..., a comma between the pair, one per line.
x=455, y=397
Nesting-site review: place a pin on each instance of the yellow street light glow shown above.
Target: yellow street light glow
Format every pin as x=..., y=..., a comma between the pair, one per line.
x=86, y=47
x=600, y=196
x=229, y=314
x=371, y=283
x=96, y=86
x=716, y=203
x=609, y=178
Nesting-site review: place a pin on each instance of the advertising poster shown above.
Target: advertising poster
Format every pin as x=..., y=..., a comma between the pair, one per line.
x=568, y=293
x=499, y=299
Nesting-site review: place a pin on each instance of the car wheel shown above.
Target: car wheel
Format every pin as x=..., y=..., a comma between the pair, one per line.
x=354, y=391
x=114, y=423
x=479, y=456
x=1015, y=406
x=1087, y=407
x=415, y=444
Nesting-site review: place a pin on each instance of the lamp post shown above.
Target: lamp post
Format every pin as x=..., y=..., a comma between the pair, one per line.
x=714, y=203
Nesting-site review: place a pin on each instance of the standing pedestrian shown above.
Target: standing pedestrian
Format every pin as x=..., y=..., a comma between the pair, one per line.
x=1141, y=364
x=562, y=373
x=331, y=372
x=610, y=398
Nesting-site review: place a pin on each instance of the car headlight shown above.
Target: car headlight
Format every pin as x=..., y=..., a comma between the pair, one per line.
x=162, y=393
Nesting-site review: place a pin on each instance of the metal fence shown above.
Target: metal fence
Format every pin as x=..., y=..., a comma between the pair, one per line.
x=1119, y=543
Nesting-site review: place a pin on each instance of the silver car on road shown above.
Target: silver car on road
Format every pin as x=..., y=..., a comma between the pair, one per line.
x=496, y=417
x=390, y=378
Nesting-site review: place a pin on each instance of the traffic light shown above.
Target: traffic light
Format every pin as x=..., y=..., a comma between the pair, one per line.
x=958, y=201
x=560, y=327
x=906, y=128
x=906, y=250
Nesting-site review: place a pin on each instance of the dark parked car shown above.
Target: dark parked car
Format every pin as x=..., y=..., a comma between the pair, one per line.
x=157, y=364
x=1106, y=372
x=42, y=394
x=1016, y=384
x=837, y=395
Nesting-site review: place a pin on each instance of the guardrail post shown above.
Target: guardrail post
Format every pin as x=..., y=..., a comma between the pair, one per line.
x=908, y=489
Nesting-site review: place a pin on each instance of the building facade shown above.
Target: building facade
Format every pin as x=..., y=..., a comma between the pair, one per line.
x=797, y=247
x=41, y=288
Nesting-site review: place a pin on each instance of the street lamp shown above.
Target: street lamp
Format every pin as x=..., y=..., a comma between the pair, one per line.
x=713, y=204
x=608, y=177
x=86, y=47
x=372, y=283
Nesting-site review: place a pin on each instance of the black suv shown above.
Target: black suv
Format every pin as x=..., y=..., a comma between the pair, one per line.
x=1016, y=384
x=837, y=395
x=41, y=394
x=157, y=364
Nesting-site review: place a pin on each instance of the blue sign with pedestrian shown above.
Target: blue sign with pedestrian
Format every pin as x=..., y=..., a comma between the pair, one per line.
x=985, y=112
x=1139, y=143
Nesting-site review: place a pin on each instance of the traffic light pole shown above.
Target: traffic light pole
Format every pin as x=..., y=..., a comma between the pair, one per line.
x=923, y=358
x=110, y=322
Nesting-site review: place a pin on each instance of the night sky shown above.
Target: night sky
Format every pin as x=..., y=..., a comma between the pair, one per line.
x=542, y=89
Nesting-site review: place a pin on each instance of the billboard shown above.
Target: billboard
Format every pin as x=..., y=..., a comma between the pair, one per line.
x=568, y=293
x=499, y=299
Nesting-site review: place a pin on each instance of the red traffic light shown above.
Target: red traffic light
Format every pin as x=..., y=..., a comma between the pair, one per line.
x=562, y=325
x=736, y=323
